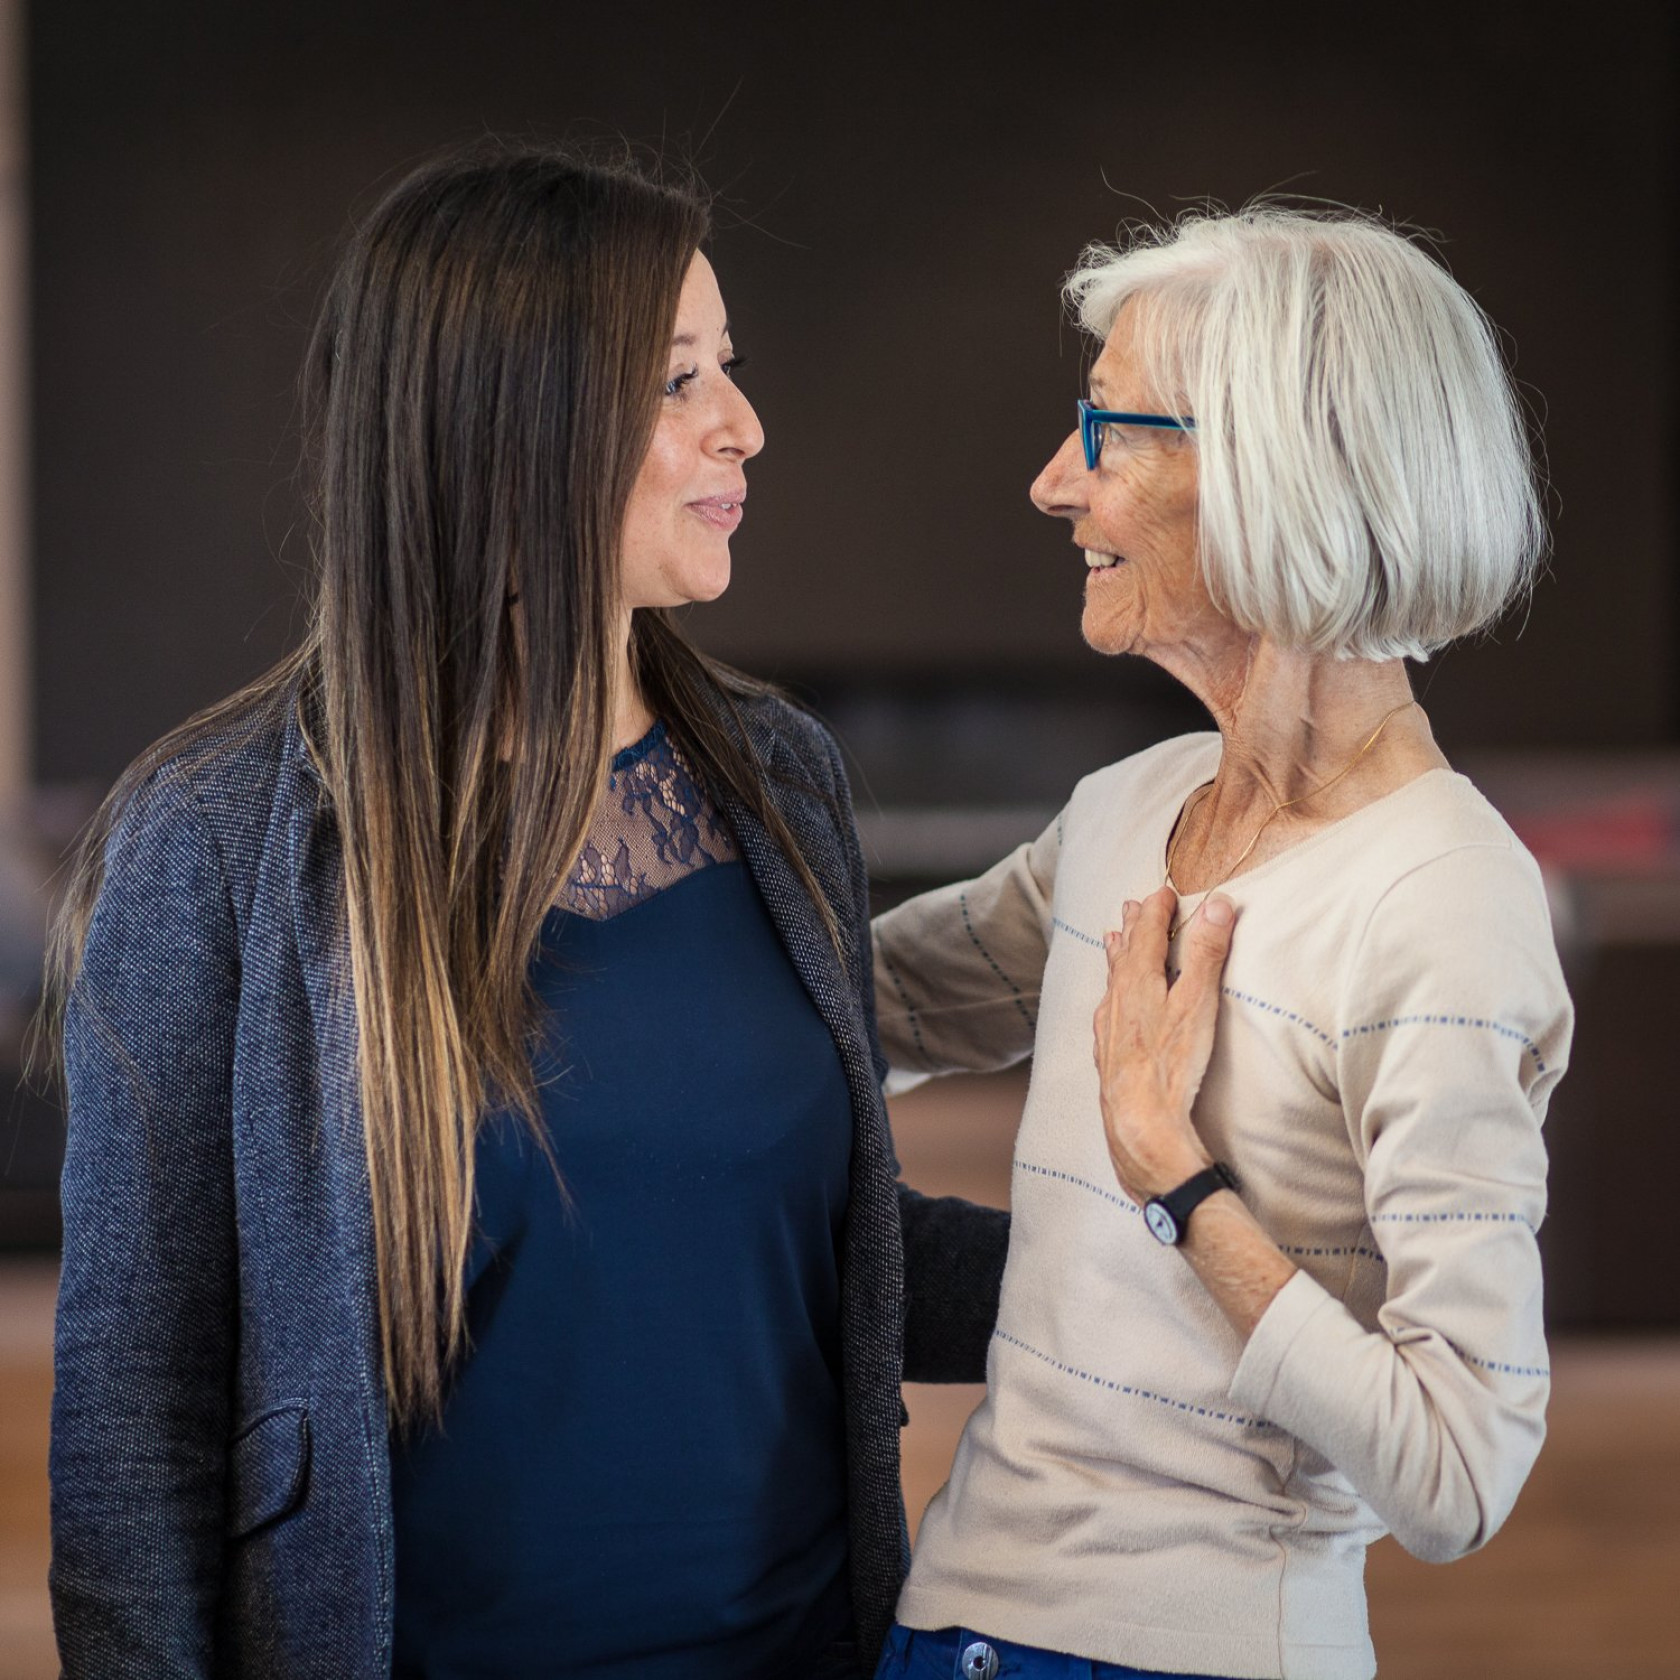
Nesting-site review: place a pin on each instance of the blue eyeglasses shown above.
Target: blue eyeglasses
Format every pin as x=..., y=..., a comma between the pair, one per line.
x=1093, y=420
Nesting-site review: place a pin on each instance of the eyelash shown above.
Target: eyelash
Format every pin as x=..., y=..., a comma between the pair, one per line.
x=676, y=386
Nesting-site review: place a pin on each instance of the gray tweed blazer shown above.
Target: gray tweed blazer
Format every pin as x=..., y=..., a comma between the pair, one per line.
x=220, y=1473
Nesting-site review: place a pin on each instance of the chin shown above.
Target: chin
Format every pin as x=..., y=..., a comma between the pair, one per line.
x=707, y=588
x=693, y=585
x=1102, y=636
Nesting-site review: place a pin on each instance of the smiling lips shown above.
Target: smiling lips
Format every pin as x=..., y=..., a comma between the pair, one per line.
x=722, y=513
x=1099, y=562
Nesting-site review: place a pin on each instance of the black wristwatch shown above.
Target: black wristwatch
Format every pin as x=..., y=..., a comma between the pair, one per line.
x=1168, y=1216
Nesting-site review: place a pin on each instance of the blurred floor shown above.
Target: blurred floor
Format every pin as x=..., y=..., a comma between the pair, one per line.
x=1581, y=1581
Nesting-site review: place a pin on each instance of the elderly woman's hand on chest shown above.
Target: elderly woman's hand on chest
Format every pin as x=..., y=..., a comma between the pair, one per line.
x=1153, y=1037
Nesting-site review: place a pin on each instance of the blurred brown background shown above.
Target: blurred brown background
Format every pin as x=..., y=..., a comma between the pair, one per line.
x=901, y=190
x=899, y=201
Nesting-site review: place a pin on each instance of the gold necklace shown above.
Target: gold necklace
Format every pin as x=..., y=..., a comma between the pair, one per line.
x=1254, y=839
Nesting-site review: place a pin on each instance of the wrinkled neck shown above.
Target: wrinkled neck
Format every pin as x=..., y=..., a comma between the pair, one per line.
x=1288, y=719
x=1306, y=740
x=1291, y=721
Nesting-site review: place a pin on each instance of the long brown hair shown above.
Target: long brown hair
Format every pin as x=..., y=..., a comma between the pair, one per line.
x=480, y=391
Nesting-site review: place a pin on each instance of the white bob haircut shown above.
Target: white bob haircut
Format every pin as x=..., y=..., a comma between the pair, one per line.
x=1365, y=483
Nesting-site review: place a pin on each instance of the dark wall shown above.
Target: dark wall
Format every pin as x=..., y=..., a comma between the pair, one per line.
x=904, y=197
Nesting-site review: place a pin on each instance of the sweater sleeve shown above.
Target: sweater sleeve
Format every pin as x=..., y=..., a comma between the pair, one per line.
x=1455, y=1029
x=958, y=970
x=146, y=1308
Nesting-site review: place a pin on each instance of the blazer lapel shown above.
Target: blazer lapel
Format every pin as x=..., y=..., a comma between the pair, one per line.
x=791, y=910
x=323, y=954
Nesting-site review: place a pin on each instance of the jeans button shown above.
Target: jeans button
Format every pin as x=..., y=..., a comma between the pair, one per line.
x=979, y=1662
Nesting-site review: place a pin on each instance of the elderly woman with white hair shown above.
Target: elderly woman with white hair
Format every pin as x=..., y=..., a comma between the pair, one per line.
x=1273, y=1287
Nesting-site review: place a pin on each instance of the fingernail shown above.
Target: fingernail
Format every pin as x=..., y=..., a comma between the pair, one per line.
x=1218, y=911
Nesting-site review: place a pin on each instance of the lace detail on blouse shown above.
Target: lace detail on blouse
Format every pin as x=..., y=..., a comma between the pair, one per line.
x=655, y=825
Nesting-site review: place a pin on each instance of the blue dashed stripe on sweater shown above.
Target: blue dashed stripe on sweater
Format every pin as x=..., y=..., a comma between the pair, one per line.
x=909, y=1008
x=1074, y=933
x=1015, y=991
x=1352, y=1251
x=1132, y=1391
x=1082, y=1183
x=1317, y=1251
x=1499, y=1367
x=1278, y=1010
x=1467, y=1217
x=1283, y=1013
x=1474, y=1021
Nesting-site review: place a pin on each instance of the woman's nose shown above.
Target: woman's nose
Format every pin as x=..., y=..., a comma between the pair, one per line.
x=739, y=433
x=1059, y=490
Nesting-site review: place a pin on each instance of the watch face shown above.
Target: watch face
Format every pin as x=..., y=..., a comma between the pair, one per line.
x=1162, y=1226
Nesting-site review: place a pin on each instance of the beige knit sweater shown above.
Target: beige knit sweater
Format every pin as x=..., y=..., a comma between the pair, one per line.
x=1138, y=1486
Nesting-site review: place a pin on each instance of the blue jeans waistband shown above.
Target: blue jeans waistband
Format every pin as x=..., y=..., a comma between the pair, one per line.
x=967, y=1654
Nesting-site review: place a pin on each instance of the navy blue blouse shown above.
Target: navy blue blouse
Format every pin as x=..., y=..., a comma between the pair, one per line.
x=641, y=1470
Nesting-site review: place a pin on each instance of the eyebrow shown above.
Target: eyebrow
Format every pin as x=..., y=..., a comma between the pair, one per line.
x=686, y=341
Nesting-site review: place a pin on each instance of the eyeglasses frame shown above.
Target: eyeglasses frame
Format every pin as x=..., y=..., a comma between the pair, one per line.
x=1092, y=420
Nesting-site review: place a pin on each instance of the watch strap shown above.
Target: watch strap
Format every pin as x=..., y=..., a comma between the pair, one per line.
x=1179, y=1204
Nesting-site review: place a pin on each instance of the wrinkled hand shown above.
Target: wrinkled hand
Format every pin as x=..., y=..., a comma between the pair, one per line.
x=1154, y=1038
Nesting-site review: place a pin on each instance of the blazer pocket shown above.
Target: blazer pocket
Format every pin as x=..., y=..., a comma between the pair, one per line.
x=268, y=1469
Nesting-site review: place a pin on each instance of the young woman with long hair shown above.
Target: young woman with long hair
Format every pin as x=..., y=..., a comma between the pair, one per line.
x=483, y=1253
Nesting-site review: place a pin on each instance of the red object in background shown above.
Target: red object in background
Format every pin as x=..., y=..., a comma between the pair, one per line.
x=1632, y=831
